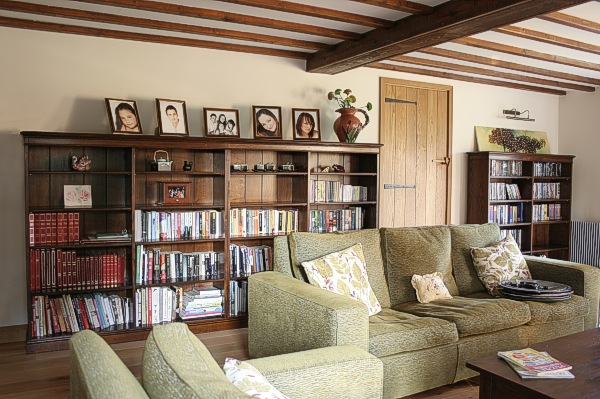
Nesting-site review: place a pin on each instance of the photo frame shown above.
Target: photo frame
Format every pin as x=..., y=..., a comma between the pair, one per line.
x=172, y=117
x=267, y=122
x=306, y=124
x=77, y=196
x=220, y=122
x=174, y=193
x=123, y=116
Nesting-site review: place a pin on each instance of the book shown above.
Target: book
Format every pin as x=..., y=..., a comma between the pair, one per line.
x=534, y=361
x=528, y=374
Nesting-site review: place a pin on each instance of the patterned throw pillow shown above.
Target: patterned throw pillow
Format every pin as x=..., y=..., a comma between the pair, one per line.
x=430, y=287
x=502, y=261
x=344, y=273
x=249, y=380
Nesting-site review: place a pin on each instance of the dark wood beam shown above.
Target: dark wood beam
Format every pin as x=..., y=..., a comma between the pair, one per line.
x=154, y=24
x=536, y=55
x=455, y=76
x=143, y=37
x=205, y=13
x=571, y=21
x=314, y=11
x=508, y=65
x=409, y=7
x=548, y=38
x=488, y=72
x=447, y=21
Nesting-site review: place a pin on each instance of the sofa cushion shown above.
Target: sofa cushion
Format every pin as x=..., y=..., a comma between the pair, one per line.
x=392, y=332
x=415, y=250
x=309, y=246
x=471, y=315
x=463, y=238
x=249, y=380
x=430, y=287
x=344, y=273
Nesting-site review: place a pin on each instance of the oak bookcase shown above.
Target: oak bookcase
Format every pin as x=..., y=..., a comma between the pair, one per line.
x=123, y=182
x=541, y=215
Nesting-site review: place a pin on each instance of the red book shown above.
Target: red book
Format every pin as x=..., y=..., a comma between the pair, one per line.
x=43, y=270
x=60, y=235
x=70, y=227
x=53, y=271
x=31, y=229
x=48, y=314
x=42, y=217
x=55, y=323
x=32, y=269
x=53, y=227
x=59, y=269
x=38, y=278
x=66, y=316
x=84, y=315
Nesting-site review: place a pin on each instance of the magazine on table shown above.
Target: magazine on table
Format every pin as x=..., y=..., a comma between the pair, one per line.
x=536, y=363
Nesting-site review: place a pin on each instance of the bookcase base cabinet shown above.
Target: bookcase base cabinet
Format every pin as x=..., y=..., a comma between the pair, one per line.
x=529, y=195
x=147, y=241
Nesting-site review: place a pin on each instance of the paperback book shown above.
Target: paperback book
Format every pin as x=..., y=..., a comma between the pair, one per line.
x=538, y=363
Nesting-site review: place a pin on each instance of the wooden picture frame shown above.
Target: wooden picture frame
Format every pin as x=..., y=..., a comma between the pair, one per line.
x=306, y=124
x=221, y=122
x=172, y=117
x=175, y=193
x=123, y=116
x=267, y=122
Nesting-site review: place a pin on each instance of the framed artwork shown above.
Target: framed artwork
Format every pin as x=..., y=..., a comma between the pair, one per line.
x=175, y=193
x=219, y=122
x=78, y=196
x=123, y=116
x=511, y=140
x=306, y=124
x=267, y=122
x=172, y=117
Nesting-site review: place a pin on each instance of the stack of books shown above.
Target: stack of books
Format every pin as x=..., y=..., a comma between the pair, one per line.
x=529, y=363
x=201, y=302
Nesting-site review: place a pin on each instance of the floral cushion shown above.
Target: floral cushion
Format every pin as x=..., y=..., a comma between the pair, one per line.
x=502, y=261
x=249, y=380
x=344, y=273
x=430, y=287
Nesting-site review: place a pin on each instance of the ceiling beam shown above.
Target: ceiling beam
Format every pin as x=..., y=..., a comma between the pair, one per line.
x=447, y=21
x=205, y=13
x=571, y=21
x=83, y=15
x=317, y=12
x=455, y=76
x=543, y=37
x=409, y=7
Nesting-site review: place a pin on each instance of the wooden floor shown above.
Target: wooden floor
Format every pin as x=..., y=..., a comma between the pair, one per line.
x=46, y=375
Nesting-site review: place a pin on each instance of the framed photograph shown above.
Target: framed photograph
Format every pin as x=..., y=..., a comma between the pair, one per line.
x=306, y=124
x=174, y=193
x=267, y=122
x=78, y=196
x=123, y=116
x=172, y=117
x=219, y=122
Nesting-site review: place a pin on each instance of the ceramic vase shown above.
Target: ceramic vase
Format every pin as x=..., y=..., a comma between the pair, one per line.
x=347, y=126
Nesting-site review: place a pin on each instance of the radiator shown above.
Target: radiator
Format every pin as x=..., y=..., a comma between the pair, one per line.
x=585, y=243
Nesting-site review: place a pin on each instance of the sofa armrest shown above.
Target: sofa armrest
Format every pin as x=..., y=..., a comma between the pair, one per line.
x=287, y=315
x=344, y=372
x=584, y=279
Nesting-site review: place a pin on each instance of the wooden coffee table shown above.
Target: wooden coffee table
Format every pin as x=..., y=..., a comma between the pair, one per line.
x=580, y=350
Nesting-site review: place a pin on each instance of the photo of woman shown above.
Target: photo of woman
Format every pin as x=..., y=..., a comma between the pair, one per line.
x=123, y=116
x=172, y=117
x=306, y=124
x=221, y=122
x=267, y=122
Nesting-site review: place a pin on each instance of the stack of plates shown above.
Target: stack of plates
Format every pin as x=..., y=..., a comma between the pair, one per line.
x=535, y=290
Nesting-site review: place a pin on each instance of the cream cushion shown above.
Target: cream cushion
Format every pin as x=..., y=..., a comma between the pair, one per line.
x=430, y=287
x=249, y=380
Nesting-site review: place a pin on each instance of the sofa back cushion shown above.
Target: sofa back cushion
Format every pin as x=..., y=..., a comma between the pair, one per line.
x=308, y=246
x=281, y=256
x=463, y=238
x=415, y=250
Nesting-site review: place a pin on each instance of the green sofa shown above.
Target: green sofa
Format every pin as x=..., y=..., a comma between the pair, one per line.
x=422, y=346
x=177, y=365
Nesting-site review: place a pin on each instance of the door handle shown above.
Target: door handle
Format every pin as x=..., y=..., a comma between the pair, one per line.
x=445, y=160
x=390, y=186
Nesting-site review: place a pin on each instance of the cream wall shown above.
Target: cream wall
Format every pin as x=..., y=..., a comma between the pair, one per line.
x=55, y=82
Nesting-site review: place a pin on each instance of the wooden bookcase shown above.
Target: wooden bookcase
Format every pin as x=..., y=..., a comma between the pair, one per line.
x=542, y=220
x=123, y=186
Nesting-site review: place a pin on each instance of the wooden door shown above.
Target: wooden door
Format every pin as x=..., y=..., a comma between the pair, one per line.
x=415, y=168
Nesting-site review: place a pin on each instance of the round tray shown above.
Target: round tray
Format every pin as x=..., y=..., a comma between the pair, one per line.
x=534, y=287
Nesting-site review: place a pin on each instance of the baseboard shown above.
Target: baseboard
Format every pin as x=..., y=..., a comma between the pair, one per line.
x=16, y=333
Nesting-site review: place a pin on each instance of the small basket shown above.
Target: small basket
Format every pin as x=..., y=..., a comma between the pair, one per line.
x=160, y=164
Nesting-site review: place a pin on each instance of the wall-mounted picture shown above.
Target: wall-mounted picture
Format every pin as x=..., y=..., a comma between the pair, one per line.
x=172, y=117
x=511, y=140
x=175, y=193
x=219, y=122
x=306, y=124
x=123, y=116
x=267, y=122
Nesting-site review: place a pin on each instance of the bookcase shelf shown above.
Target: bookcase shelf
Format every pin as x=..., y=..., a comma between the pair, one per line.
x=124, y=187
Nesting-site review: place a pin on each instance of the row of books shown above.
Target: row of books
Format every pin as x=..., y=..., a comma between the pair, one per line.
x=245, y=260
x=168, y=226
x=503, y=191
x=250, y=222
x=547, y=169
x=546, y=190
x=546, y=212
x=55, y=268
x=53, y=228
x=155, y=305
x=201, y=302
x=238, y=293
x=335, y=191
x=55, y=315
x=159, y=266
x=530, y=364
x=506, y=214
x=515, y=233
x=506, y=168
x=329, y=220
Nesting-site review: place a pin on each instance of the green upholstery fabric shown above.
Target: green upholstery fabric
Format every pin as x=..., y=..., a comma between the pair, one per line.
x=392, y=332
x=544, y=332
x=416, y=250
x=472, y=316
x=281, y=256
x=464, y=237
x=97, y=372
x=343, y=372
x=309, y=246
